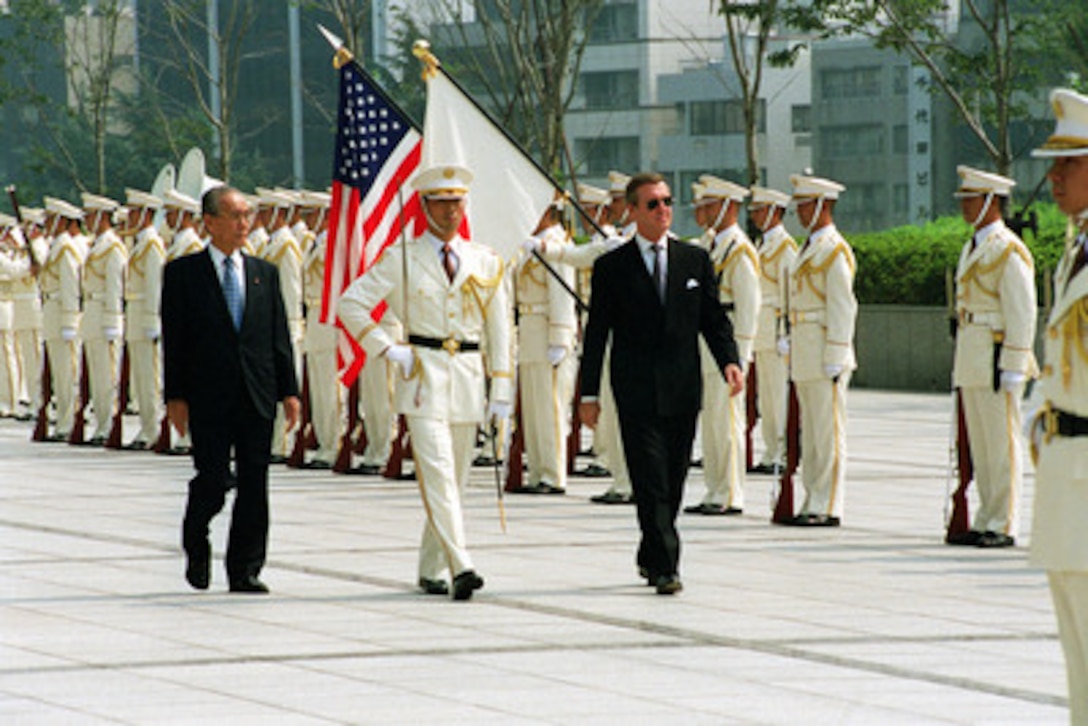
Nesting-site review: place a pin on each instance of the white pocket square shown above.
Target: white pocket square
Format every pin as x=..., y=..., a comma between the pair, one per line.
x=692, y=283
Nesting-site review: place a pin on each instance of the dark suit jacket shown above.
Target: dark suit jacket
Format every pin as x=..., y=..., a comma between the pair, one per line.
x=655, y=348
x=209, y=364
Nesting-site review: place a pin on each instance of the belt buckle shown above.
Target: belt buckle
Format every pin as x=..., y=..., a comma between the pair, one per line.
x=451, y=345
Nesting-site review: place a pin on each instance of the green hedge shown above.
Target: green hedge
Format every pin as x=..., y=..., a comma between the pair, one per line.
x=906, y=265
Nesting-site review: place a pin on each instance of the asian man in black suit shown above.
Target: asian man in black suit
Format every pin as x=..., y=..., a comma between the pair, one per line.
x=653, y=296
x=227, y=361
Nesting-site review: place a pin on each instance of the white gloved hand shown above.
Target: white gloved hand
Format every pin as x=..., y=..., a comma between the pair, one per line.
x=1011, y=379
x=556, y=354
x=111, y=333
x=67, y=334
x=152, y=333
x=402, y=355
x=783, y=346
x=611, y=243
x=833, y=369
x=500, y=410
x=532, y=245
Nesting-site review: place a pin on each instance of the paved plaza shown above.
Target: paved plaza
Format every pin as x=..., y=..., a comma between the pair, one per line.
x=877, y=622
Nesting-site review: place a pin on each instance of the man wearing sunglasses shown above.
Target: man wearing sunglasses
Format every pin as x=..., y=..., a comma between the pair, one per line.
x=653, y=297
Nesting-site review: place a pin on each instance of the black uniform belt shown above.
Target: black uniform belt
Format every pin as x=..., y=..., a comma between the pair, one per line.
x=1068, y=424
x=729, y=307
x=450, y=345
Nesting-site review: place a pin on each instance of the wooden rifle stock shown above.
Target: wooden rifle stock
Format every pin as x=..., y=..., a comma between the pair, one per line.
x=574, y=440
x=395, y=465
x=113, y=441
x=959, y=522
x=752, y=414
x=298, y=452
x=515, y=472
x=343, y=456
x=76, y=436
x=41, y=426
x=783, y=509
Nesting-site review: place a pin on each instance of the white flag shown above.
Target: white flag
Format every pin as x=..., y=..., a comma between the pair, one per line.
x=509, y=193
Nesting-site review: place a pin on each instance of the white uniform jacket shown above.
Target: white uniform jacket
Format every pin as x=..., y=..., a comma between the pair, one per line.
x=59, y=282
x=736, y=264
x=546, y=314
x=143, y=291
x=822, y=307
x=185, y=242
x=284, y=252
x=104, y=285
x=776, y=254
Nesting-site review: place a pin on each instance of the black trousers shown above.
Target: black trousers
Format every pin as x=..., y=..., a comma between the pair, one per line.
x=243, y=431
x=658, y=453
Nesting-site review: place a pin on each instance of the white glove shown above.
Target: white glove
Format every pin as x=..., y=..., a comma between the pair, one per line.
x=500, y=410
x=152, y=333
x=833, y=369
x=783, y=346
x=532, y=245
x=1011, y=379
x=556, y=354
x=111, y=333
x=611, y=243
x=402, y=355
x=68, y=334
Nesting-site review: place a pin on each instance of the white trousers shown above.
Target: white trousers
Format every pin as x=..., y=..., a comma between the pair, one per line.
x=723, y=422
x=607, y=444
x=103, y=374
x=546, y=393
x=28, y=353
x=443, y=454
x=325, y=402
x=772, y=390
x=9, y=374
x=376, y=403
x=283, y=441
x=993, y=429
x=1069, y=591
x=823, y=444
x=145, y=379
x=64, y=369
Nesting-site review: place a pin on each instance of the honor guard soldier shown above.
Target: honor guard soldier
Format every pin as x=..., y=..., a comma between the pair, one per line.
x=103, y=320
x=181, y=216
x=320, y=343
x=284, y=252
x=995, y=335
x=618, y=213
x=547, y=328
x=296, y=219
x=823, y=313
x=606, y=437
x=27, y=314
x=450, y=297
x=143, y=329
x=777, y=251
x=736, y=267
x=258, y=236
x=1060, y=429
x=60, y=285
x=9, y=271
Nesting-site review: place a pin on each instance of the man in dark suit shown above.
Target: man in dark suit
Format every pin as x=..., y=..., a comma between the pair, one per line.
x=227, y=362
x=653, y=296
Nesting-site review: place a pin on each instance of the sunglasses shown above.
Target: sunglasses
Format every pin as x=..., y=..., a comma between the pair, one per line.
x=655, y=203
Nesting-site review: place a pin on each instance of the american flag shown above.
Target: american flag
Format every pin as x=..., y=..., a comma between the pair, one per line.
x=377, y=151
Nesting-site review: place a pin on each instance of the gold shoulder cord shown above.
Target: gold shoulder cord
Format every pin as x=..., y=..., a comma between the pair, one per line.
x=976, y=271
x=808, y=270
x=1075, y=321
x=482, y=290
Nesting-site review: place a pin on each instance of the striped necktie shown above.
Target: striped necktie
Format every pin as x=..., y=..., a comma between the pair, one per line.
x=232, y=293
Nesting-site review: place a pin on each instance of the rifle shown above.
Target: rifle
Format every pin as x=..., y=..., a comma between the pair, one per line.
x=41, y=426
x=162, y=444
x=515, y=472
x=35, y=263
x=297, y=459
x=752, y=413
x=343, y=456
x=401, y=448
x=76, y=435
x=574, y=439
x=113, y=441
x=783, y=509
x=958, y=523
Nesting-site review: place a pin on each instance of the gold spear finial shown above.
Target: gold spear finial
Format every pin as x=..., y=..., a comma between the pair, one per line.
x=422, y=49
x=343, y=56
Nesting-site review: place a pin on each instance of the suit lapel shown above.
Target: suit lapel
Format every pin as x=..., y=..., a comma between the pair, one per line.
x=644, y=283
x=255, y=285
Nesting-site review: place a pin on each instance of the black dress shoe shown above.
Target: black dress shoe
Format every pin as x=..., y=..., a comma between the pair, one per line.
x=277, y=459
x=249, y=584
x=465, y=584
x=762, y=468
x=317, y=464
x=546, y=488
x=136, y=445
x=366, y=470
x=524, y=489
x=970, y=538
x=595, y=471
x=815, y=520
x=993, y=540
x=198, y=572
x=178, y=451
x=668, y=585
x=483, y=460
x=645, y=575
x=712, y=510
x=612, y=497
x=96, y=441
x=434, y=587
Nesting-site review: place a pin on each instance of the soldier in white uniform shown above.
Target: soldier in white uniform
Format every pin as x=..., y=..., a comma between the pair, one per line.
x=182, y=212
x=547, y=366
x=258, y=236
x=995, y=334
x=777, y=251
x=449, y=294
x=284, y=252
x=823, y=313
x=10, y=240
x=103, y=321
x=27, y=297
x=143, y=328
x=606, y=437
x=60, y=285
x=736, y=265
x=1060, y=430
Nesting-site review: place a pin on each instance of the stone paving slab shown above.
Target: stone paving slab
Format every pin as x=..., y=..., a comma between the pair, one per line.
x=877, y=622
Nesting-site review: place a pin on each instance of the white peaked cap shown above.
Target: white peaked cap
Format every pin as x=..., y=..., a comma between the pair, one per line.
x=447, y=181
x=177, y=200
x=814, y=187
x=762, y=196
x=716, y=188
x=593, y=195
x=1070, y=137
x=137, y=198
x=698, y=194
x=617, y=183
x=34, y=215
x=6, y=221
x=316, y=200
x=974, y=183
x=98, y=203
x=63, y=208
x=275, y=198
x=293, y=194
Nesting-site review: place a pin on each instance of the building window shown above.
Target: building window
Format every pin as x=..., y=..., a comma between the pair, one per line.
x=801, y=119
x=844, y=142
x=850, y=83
x=899, y=139
x=716, y=118
x=615, y=23
x=901, y=80
x=599, y=156
x=610, y=89
x=900, y=198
